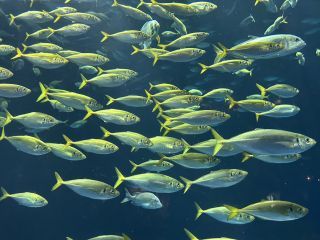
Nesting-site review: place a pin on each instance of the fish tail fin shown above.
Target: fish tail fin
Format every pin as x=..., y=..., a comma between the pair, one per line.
x=59, y=181
x=232, y=102
x=151, y=86
x=5, y=194
x=9, y=117
x=261, y=89
x=128, y=196
x=246, y=156
x=251, y=72
x=187, y=146
x=44, y=92
x=68, y=140
x=57, y=18
x=121, y=178
x=160, y=113
x=89, y=112
x=167, y=119
x=157, y=105
x=105, y=36
x=115, y=3
x=25, y=47
x=220, y=141
x=190, y=235
x=106, y=133
x=52, y=31
x=257, y=116
x=149, y=96
x=187, y=182
x=163, y=126
x=19, y=54
x=12, y=18
x=3, y=134
x=221, y=52
x=162, y=46
x=199, y=210
x=233, y=211
x=100, y=70
x=27, y=36
x=203, y=68
x=134, y=166
x=257, y=2
x=125, y=237
x=154, y=2
x=141, y=3
x=155, y=58
x=135, y=50
x=84, y=82
x=110, y=100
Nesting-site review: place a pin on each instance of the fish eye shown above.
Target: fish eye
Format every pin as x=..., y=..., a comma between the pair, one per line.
x=233, y=173
x=290, y=209
x=308, y=140
x=296, y=39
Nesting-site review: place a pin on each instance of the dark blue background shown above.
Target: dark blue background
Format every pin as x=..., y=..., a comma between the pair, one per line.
x=68, y=214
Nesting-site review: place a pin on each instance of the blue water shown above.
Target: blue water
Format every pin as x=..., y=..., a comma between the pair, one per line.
x=68, y=214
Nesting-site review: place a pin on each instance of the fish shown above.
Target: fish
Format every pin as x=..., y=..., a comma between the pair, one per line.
x=164, y=95
x=188, y=40
x=130, y=101
x=135, y=140
x=166, y=145
x=280, y=111
x=115, y=116
x=43, y=60
x=180, y=55
x=267, y=141
x=183, y=101
x=43, y=47
x=88, y=188
x=274, y=210
x=79, y=17
x=162, y=87
x=71, y=30
x=280, y=90
x=70, y=99
x=229, y=66
x=6, y=49
x=107, y=80
x=13, y=90
x=152, y=166
x=145, y=200
x=222, y=213
x=193, y=160
x=106, y=237
x=26, y=199
x=92, y=59
x=218, y=93
x=128, y=36
x=200, y=118
x=193, y=237
x=153, y=182
x=5, y=73
x=97, y=146
x=58, y=105
x=33, y=120
x=88, y=69
x=217, y=179
x=184, y=128
x=252, y=105
x=243, y=72
x=27, y=144
x=289, y=158
x=121, y=71
x=268, y=47
x=31, y=17
x=150, y=28
x=41, y=34
x=132, y=12
x=66, y=152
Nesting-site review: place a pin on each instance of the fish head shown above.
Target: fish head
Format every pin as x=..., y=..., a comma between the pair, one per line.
x=78, y=155
x=111, y=147
x=176, y=185
x=294, y=43
x=110, y=192
x=23, y=90
x=40, y=201
x=198, y=52
x=94, y=105
x=131, y=119
x=296, y=211
x=236, y=175
x=304, y=142
x=166, y=164
x=145, y=142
